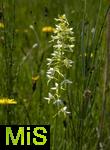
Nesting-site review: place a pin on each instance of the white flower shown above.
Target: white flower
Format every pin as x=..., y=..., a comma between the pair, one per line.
x=35, y=45
x=49, y=76
x=56, y=87
x=58, y=27
x=63, y=44
x=58, y=46
x=49, y=61
x=66, y=81
x=31, y=27
x=51, y=72
x=72, y=39
x=93, y=30
x=49, y=98
x=68, y=63
x=58, y=102
x=71, y=46
x=64, y=110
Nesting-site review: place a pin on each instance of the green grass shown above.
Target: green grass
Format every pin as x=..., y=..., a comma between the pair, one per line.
x=84, y=97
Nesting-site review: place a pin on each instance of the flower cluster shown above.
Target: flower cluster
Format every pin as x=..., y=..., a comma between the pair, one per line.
x=62, y=40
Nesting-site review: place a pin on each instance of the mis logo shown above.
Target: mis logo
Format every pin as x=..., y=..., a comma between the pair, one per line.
x=25, y=137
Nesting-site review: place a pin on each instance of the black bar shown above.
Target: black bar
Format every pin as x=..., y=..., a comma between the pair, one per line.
x=38, y=134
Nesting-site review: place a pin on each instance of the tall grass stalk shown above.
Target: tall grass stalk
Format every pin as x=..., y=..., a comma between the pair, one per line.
x=106, y=89
x=9, y=47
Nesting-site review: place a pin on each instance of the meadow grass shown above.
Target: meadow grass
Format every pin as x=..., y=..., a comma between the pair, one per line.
x=24, y=49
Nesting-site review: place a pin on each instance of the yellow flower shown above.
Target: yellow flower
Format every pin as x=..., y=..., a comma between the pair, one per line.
x=1, y=25
x=48, y=29
x=35, y=78
x=5, y=101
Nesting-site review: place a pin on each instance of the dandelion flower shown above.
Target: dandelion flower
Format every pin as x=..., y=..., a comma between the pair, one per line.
x=6, y=101
x=48, y=29
x=35, y=78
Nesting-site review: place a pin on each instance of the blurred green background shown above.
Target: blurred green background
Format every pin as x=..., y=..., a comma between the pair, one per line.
x=19, y=62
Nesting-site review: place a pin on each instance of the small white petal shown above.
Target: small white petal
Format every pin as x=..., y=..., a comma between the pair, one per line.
x=93, y=30
x=50, y=96
x=56, y=84
x=53, y=88
x=71, y=29
x=49, y=59
x=58, y=102
x=67, y=112
x=46, y=98
x=49, y=77
x=66, y=81
x=64, y=108
x=71, y=46
x=35, y=45
x=31, y=27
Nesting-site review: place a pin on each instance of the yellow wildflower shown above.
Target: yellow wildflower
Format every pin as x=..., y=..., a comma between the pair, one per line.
x=48, y=29
x=1, y=25
x=35, y=78
x=5, y=101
